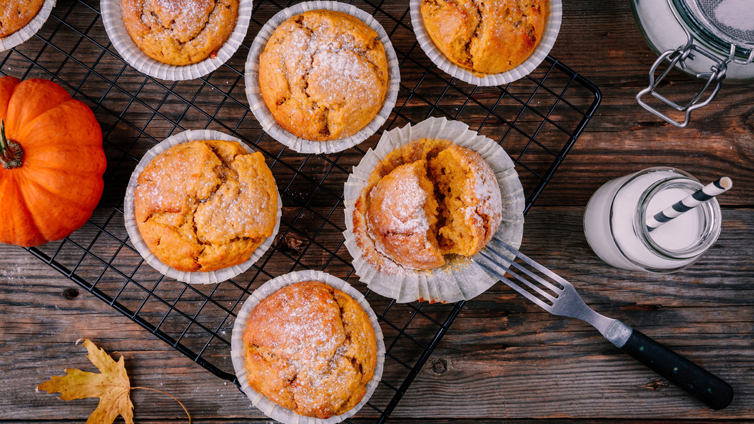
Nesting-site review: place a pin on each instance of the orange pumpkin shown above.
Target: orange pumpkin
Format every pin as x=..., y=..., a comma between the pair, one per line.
x=52, y=157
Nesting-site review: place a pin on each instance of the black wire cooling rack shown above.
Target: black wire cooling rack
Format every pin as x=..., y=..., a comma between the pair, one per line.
x=536, y=119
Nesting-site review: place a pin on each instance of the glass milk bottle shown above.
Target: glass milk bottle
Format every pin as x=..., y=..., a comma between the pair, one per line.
x=615, y=222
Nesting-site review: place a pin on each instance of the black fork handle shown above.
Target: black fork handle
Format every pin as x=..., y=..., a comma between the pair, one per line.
x=698, y=382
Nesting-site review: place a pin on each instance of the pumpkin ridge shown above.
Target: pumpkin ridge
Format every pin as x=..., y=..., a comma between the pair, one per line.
x=38, y=175
x=48, y=192
x=64, y=170
x=80, y=140
x=29, y=240
x=34, y=222
x=7, y=88
x=59, y=182
x=33, y=92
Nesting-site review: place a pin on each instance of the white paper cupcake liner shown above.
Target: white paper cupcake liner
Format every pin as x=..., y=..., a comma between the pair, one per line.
x=263, y=114
x=116, y=30
x=27, y=31
x=552, y=27
x=211, y=277
x=462, y=279
x=238, y=351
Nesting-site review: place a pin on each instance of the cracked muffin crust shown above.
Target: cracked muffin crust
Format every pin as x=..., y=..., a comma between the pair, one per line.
x=426, y=200
x=323, y=75
x=16, y=14
x=485, y=36
x=205, y=205
x=179, y=32
x=310, y=348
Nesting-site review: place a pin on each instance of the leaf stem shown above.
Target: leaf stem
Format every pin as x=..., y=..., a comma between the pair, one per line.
x=160, y=391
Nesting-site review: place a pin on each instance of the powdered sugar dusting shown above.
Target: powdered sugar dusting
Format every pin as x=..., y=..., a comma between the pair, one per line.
x=305, y=331
x=397, y=214
x=186, y=18
x=303, y=326
x=323, y=75
x=399, y=221
x=215, y=200
x=339, y=75
x=402, y=209
x=332, y=70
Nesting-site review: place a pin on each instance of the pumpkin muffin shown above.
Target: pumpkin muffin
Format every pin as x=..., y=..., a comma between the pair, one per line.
x=16, y=14
x=323, y=75
x=310, y=348
x=205, y=205
x=486, y=37
x=179, y=32
x=424, y=201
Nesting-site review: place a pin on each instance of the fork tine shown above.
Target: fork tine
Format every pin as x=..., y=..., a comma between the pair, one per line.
x=539, y=279
x=531, y=285
x=531, y=263
x=492, y=267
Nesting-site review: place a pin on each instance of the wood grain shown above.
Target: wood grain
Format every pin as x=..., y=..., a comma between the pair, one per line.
x=503, y=360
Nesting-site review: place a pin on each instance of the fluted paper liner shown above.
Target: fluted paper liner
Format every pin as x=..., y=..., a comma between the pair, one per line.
x=552, y=27
x=238, y=351
x=211, y=277
x=461, y=279
x=131, y=53
x=28, y=31
x=263, y=114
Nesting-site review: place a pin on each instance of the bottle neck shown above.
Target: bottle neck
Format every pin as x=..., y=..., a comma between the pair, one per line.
x=700, y=232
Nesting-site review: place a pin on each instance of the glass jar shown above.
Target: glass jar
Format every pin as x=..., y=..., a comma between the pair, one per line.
x=707, y=39
x=615, y=222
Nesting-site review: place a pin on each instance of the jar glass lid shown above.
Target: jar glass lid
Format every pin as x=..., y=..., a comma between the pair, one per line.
x=729, y=20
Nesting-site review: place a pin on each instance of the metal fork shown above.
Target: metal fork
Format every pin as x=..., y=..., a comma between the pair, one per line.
x=565, y=301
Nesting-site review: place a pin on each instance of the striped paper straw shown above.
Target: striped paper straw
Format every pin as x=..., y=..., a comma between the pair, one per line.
x=697, y=198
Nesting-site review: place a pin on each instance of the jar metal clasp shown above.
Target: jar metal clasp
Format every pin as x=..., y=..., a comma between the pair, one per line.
x=677, y=57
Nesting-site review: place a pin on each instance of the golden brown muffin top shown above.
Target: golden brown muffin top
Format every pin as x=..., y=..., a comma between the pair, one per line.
x=205, y=205
x=489, y=36
x=310, y=348
x=179, y=32
x=16, y=14
x=426, y=200
x=323, y=75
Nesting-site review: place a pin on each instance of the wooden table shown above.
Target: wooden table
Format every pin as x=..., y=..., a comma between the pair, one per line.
x=503, y=360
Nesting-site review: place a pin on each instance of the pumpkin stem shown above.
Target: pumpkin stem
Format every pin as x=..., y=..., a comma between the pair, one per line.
x=11, y=153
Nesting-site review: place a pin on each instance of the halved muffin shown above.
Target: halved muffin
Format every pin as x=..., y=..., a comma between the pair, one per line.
x=426, y=200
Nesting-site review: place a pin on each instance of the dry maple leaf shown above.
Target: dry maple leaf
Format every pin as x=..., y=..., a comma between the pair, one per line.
x=112, y=387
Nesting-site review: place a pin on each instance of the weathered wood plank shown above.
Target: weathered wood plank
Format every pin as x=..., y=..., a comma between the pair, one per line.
x=502, y=358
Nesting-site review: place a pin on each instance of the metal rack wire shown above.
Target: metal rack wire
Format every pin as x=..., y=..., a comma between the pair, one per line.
x=537, y=119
